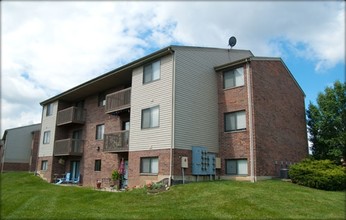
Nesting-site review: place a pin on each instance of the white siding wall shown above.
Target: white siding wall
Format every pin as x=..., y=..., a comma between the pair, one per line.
x=48, y=124
x=156, y=93
x=196, y=98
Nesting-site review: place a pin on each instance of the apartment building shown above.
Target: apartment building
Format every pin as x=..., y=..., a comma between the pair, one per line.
x=19, y=148
x=246, y=113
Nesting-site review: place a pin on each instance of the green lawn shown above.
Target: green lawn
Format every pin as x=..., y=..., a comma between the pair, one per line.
x=24, y=196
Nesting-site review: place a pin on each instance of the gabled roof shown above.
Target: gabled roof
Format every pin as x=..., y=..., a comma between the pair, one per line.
x=107, y=80
x=36, y=126
x=118, y=76
x=253, y=58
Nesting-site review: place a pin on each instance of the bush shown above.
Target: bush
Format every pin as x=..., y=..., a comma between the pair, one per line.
x=319, y=174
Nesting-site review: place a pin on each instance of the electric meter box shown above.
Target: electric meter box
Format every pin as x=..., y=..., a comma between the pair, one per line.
x=184, y=162
x=203, y=163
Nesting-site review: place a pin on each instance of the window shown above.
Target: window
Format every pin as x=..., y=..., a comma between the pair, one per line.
x=100, y=130
x=236, y=167
x=150, y=165
x=101, y=99
x=150, y=117
x=151, y=72
x=235, y=121
x=233, y=78
x=44, y=165
x=97, y=165
x=46, y=137
x=49, y=110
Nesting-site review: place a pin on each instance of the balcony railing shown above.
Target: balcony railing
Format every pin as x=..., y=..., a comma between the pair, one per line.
x=116, y=142
x=68, y=147
x=118, y=101
x=71, y=115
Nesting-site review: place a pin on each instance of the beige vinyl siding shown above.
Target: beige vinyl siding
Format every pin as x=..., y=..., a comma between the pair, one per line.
x=48, y=124
x=196, y=98
x=156, y=93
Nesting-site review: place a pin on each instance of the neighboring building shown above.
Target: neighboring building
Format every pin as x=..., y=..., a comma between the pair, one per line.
x=19, y=148
x=247, y=111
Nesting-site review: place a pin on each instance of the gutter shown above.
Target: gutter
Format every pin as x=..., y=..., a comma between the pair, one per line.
x=173, y=120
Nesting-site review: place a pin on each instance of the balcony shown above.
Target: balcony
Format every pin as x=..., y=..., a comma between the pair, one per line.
x=71, y=115
x=118, y=101
x=116, y=142
x=68, y=147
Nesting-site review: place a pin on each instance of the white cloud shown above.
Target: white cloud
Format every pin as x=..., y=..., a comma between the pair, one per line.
x=49, y=47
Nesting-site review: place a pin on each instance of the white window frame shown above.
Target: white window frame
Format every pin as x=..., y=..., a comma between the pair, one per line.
x=49, y=109
x=46, y=137
x=150, y=117
x=233, y=78
x=235, y=121
x=44, y=165
x=149, y=165
x=152, y=72
x=100, y=131
x=240, y=169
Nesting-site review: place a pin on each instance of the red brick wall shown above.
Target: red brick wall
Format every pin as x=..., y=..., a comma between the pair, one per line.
x=178, y=153
x=109, y=161
x=233, y=145
x=137, y=179
x=16, y=167
x=34, y=150
x=45, y=174
x=95, y=115
x=279, y=117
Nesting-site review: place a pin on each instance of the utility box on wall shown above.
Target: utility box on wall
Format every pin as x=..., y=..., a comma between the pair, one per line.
x=218, y=163
x=203, y=163
x=184, y=162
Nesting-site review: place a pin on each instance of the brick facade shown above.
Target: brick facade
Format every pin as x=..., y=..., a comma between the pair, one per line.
x=46, y=174
x=278, y=130
x=34, y=150
x=233, y=145
x=16, y=166
x=278, y=112
x=279, y=118
x=136, y=178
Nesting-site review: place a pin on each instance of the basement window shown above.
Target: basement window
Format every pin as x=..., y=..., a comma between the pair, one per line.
x=149, y=165
x=236, y=167
x=44, y=165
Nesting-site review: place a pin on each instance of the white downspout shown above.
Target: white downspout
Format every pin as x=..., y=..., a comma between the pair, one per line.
x=250, y=105
x=173, y=118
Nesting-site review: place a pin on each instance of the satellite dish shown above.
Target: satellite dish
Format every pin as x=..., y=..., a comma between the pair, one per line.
x=232, y=41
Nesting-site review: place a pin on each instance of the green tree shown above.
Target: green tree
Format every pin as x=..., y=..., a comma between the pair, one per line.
x=327, y=123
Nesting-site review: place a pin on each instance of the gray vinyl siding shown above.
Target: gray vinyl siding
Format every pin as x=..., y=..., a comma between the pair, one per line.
x=196, y=98
x=156, y=93
x=48, y=124
x=18, y=144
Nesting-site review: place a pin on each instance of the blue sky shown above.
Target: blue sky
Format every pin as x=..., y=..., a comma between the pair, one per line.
x=48, y=47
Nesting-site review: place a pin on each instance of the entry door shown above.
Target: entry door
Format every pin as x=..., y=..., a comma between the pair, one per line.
x=126, y=175
x=74, y=169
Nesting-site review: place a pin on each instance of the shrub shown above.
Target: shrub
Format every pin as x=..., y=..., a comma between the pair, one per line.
x=319, y=174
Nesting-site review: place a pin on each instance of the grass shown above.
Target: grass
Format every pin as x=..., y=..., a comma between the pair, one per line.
x=24, y=196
